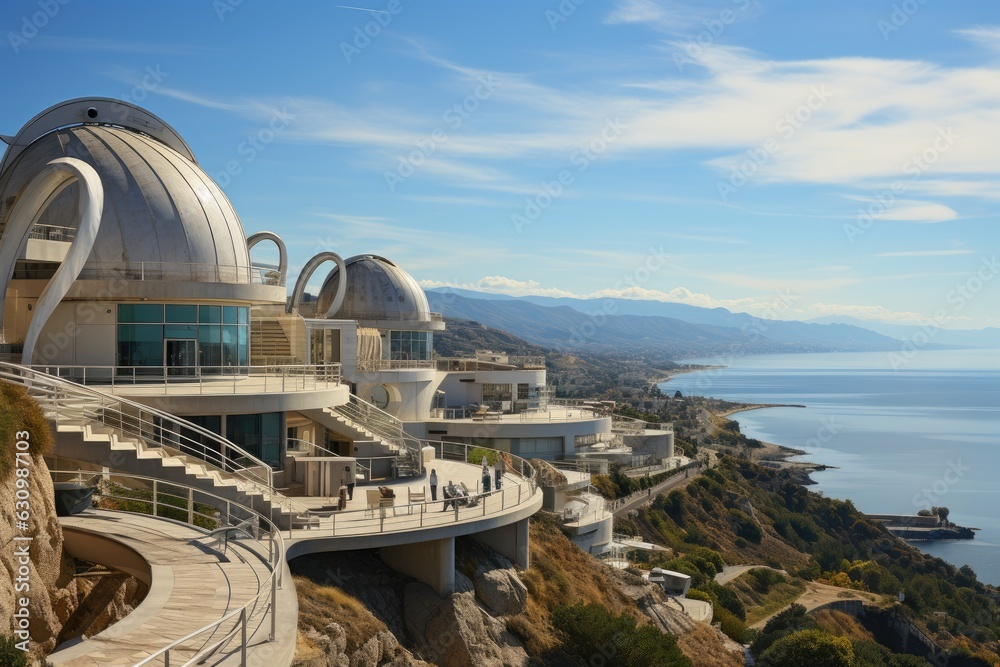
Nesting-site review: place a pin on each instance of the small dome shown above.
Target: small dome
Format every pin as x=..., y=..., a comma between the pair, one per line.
x=163, y=214
x=377, y=289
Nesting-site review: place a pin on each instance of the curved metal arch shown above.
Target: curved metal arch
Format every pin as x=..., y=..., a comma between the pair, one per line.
x=254, y=239
x=108, y=111
x=308, y=270
x=51, y=179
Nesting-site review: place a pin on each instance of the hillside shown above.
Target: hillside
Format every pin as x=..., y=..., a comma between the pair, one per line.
x=354, y=610
x=463, y=337
x=609, y=324
x=743, y=513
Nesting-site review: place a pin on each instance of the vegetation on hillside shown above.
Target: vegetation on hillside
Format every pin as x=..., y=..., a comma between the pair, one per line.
x=19, y=412
x=744, y=513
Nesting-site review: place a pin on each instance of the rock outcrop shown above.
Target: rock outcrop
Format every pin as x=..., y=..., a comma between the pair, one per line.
x=457, y=632
x=501, y=590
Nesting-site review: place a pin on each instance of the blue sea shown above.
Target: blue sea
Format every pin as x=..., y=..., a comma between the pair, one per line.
x=903, y=436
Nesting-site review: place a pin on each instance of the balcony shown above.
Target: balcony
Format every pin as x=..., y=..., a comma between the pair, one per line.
x=500, y=362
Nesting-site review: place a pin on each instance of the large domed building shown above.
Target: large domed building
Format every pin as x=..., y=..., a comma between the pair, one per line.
x=108, y=226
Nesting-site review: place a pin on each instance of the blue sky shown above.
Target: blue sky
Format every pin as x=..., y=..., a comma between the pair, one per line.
x=783, y=158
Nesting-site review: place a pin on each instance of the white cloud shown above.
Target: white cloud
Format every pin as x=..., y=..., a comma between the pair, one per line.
x=907, y=210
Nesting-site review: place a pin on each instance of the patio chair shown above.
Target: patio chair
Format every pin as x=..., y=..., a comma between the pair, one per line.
x=419, y=496
x=374, y=501
x=480, y=414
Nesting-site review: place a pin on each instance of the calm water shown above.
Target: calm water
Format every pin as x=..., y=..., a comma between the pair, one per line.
x=925, y=433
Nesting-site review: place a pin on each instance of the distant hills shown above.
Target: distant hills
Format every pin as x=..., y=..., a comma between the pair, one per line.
x=984, y=338
x=675, y=329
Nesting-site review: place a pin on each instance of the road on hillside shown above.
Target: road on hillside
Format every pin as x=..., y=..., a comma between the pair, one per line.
x=639, y=499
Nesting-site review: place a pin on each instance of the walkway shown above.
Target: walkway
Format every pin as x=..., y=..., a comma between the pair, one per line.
x=819, y=595
x=192, y=585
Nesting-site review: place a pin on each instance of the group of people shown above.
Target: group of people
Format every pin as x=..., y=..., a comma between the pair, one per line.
x=452, y=494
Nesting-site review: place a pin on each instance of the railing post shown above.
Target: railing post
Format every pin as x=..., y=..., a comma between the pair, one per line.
x=274, y=607
x=156, y=495
x=243, y=637
x=191, y=506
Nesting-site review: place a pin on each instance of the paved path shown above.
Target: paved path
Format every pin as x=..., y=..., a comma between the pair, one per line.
x=192, y=585
x=641, y=498
x=730, y=572
x=818, y=595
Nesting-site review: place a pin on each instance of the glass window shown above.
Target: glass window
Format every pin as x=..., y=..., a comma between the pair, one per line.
x=244, y=314
x=181, y=313
x=241, y=332
x=210, y=314
x=210, y=345
x=522, y=392
x=229, y=314
x=140, y=345
x=259, y=434
x=140, y=312
x=230, y=347
x=180, y=331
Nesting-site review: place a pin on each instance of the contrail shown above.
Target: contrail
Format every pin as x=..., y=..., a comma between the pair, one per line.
x=364, y=9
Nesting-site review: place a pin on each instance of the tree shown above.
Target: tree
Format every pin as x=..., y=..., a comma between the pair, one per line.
x=814, y=648
x=677, y=394
x=942, y=513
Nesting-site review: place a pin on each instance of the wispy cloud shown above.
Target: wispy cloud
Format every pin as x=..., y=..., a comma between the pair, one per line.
x=924, y=253
x=908, y=210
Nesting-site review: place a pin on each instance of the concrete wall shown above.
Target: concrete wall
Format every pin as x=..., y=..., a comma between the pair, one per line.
x=658, y=443
x=432, y=562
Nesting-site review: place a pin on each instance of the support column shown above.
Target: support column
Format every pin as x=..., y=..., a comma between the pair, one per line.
x=431, y=562
x=510, y=541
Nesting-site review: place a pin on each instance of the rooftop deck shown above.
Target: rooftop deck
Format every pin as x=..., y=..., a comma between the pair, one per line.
x=553, y=413
x=359, y=526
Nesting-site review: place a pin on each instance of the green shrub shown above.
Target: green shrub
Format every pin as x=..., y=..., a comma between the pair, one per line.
x=809, y=647
x=10, y=654
x=476, y=454
x=592, y=633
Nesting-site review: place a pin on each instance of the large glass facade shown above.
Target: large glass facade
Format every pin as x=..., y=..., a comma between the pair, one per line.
x=259, y=434
x=410, y=345
x=183, y=336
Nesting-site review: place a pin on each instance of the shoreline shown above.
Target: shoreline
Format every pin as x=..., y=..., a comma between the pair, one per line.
x=680, y=371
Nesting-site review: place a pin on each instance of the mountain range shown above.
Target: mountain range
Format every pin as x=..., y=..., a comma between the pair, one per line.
x=676, y=329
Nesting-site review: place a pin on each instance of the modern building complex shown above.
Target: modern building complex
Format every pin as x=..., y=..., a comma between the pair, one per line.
x=133, y=310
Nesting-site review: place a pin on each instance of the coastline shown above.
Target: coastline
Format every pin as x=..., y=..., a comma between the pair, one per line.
x=773, y=455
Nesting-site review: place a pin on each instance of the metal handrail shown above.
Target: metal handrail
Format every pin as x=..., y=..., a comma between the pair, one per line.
x=269, y=587
x=200, y=272
x=72, y=400
x=375, y=365
x=277, y=377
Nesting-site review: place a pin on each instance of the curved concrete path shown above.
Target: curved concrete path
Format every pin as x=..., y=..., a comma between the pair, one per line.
x=192, y=584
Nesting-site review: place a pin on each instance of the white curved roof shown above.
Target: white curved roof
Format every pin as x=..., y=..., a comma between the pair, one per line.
x=377, y=289
x=162, y=214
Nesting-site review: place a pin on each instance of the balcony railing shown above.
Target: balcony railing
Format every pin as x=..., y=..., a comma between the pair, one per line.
x=52, y=233
x=501, y=362
x=204, y=379
x=377, y=365
x=182, y=271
